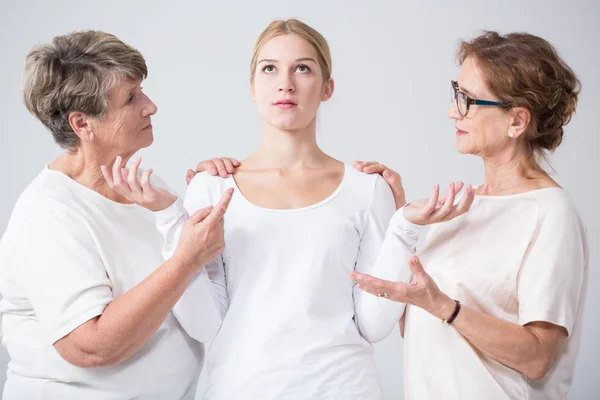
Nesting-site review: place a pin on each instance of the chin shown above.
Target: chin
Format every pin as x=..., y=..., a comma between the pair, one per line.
x=464, y=148
x=146, y=141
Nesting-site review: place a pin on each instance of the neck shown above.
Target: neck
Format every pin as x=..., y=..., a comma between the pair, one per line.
x=83, y=166
x=287, y=149
x=509, y=173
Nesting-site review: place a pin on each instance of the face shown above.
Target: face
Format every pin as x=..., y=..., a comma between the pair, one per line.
x=485, y=129
x=288, y=83
x=126, y=126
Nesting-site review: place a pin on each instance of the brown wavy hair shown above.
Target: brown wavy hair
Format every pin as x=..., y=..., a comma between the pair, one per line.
x=524, y=70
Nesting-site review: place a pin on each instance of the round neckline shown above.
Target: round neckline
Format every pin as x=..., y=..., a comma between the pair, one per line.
x=87, y=189
x=326, y=200
x=515, y=195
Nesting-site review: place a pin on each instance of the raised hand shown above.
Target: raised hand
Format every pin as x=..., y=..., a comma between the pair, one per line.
x=140, y=191
x=437, y=209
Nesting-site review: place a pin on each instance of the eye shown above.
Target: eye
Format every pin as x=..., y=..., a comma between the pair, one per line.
x=130, y=98
x=268, y=69
x=303, y=68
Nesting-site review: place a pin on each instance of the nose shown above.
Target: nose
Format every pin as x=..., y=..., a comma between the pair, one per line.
x=149, y=108
x=286, y=83
x=453, y=112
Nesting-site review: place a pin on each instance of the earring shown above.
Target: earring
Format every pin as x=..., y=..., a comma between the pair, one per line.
x=511, y=133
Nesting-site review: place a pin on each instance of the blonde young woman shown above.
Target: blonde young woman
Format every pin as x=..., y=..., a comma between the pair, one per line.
x=294, y=324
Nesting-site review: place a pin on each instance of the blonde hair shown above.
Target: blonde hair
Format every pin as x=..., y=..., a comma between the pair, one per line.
x=75, y=72
x=295, y=27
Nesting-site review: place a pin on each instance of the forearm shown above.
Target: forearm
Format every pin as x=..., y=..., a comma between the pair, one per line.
x=516, y=346
x=129, y=321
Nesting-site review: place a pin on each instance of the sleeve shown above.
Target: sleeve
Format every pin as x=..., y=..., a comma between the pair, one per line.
x=553, y=273
x=62, y=272
x=383, y=254
x=202, y=307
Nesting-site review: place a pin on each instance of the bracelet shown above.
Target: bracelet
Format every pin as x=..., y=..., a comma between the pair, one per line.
x=454, y=314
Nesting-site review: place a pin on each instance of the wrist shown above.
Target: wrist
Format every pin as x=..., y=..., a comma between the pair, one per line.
x=445, y=308
x=163, y=204
x=183, y=265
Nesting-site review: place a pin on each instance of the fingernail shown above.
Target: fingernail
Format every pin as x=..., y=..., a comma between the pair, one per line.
x=213, y=170
x=230, y=191
x=224, y=171
x=415, y=260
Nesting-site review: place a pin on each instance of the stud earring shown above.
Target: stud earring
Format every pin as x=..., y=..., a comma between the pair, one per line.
x=511, y=133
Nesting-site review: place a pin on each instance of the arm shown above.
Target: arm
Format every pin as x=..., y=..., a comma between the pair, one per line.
x=376, y=316
x=128, y=322
x=373, y=314
x=202, y=306
x=550, y=285
x=70, y=291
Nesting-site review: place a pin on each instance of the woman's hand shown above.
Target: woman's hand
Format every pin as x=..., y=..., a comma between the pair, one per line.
x=440, y=209
x=421, y=292
x=222, y=166
x=391, y=177
x=202, y=236
x=125, y=182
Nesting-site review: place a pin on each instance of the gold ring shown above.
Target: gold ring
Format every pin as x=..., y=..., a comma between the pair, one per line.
x=382, y=294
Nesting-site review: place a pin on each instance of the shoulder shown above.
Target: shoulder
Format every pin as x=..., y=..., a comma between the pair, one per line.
x=370, y=187
x=205, y=188
x=558, y=215
x=48, y=193
x=555, y=204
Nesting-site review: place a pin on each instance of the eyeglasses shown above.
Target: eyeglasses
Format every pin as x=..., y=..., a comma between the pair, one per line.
x=464, y=102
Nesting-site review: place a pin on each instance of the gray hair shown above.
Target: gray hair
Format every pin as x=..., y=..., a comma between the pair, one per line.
x=75, y=72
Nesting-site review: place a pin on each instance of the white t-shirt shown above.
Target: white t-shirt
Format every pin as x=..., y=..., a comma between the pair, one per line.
x=296, y=326
x=66, y=254
x=520, y=258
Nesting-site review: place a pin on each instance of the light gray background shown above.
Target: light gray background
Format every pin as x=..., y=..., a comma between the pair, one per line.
x=392, y=62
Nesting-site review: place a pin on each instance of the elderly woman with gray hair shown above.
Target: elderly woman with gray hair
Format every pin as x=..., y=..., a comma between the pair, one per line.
x=90, y=310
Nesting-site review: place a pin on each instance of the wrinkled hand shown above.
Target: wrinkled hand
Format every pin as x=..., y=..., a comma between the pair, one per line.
x=391, y=177
x=125, y=182
x=421, y=292
x=217, y=166
x=202, y=236
x=440, y=209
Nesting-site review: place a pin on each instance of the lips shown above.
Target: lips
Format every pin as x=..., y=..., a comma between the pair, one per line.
x=285, y=103
x=149, y=126
x=460, y=132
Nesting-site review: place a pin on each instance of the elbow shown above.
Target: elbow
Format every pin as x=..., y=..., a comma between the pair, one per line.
x=90, y=356
x=538, y=369
x=374, y=335
x=87, y=360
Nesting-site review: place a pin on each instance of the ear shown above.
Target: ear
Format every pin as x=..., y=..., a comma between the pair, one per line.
x=328, y=92
x=521, y=117
x=81, y=125
x=252, y=93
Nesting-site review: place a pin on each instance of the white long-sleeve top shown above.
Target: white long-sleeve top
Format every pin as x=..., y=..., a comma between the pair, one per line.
x=295, y=325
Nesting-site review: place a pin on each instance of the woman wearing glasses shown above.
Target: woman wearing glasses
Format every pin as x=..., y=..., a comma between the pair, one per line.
x=509, y=277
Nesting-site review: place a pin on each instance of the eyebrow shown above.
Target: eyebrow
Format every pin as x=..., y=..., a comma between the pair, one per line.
x=271, y=60
x=467, y=91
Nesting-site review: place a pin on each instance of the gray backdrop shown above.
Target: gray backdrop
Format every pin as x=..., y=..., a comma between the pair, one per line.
x=392, y=62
